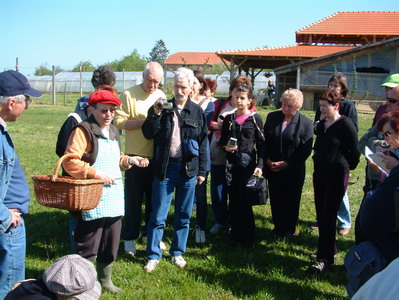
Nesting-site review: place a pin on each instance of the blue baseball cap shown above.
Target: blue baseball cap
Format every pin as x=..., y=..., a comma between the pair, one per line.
x=13, y=83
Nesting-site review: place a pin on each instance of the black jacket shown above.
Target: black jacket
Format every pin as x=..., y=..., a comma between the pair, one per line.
x=335, y=149
x=160, y=128
x=248, y=136
x=293, y=146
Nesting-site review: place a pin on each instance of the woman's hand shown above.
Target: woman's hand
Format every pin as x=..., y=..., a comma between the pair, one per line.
x=231, y=149
x=278, y=166
x=258, y=172
x=373, y=166
x=200, y=180
x=389, y=161
x=215, y=125
x=139, y=161
x=105, y=177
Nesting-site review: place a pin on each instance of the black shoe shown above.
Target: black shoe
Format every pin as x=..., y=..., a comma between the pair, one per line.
x=271, y=234
x=288, y=236
x=319, y=266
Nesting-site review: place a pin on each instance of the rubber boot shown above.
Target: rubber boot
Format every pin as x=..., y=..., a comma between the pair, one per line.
x=104, y=273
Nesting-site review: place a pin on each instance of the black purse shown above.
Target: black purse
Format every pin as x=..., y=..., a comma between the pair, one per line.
x=256, y=190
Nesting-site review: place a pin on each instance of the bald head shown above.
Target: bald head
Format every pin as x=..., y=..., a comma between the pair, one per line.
x=152, y=77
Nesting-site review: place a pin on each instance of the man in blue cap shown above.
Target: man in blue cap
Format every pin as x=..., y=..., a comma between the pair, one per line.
x=15, y=93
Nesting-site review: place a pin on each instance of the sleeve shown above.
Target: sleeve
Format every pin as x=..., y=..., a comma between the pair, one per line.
x=209, y=112
x=225, y=133
x=317, y=115
x=151, y=124
x=203, y=149
x=78, y=144
x=124, y=165
x=266, y=148
x=352, y=153
x=304, y=148
x=5, y=218
x=124, y=112
x=260, y=140
x=63, y=135
x=352, y=114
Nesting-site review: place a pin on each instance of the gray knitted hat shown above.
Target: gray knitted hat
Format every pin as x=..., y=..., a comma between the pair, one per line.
x=73, y=276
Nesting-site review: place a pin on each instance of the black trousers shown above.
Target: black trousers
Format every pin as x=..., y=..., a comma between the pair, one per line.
x=241, y=213
x=328, y=193
x=138, y=188
x=98, y=238
x=285, y=198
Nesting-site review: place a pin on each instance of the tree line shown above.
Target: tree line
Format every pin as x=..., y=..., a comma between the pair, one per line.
x=131, y=62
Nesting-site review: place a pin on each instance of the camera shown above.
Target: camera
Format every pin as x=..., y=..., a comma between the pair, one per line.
x=164, y=104
x=232, y=142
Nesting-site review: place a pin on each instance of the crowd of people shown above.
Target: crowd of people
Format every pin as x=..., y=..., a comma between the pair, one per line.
x=173, y=145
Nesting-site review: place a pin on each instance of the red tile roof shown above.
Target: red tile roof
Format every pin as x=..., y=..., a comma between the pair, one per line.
x=356, y=23
x=287, y=51
x=193, y=58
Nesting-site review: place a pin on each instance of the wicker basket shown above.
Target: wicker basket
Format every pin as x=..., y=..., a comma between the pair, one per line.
x=66, y=192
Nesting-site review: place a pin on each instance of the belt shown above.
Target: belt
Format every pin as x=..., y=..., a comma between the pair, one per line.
x=174, y=159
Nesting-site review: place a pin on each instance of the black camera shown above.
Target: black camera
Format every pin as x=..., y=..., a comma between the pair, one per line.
x=164, y=104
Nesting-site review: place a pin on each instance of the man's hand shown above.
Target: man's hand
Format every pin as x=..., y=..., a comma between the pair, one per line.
x=139, y=161
x=15, y=219
x=200, y=180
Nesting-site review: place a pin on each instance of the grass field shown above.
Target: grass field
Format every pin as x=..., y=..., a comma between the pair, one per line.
x=274, y=270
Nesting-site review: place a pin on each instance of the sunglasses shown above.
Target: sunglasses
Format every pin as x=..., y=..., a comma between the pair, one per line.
x=387, y=133
x=391, y=100
x=105, y=110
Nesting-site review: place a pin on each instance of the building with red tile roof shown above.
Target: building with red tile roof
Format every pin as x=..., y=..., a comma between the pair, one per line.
x=351, y=28
x=195, y=59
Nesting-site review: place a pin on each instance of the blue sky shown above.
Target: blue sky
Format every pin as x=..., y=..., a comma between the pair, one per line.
x=65, y=32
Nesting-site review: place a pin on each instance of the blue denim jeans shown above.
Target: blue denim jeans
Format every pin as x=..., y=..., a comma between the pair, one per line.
x=219, y=193
x=344, y=213
x=12, y=258
x=162, y=193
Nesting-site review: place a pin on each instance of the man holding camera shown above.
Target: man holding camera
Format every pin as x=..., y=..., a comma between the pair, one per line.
x=180, y=157
x=130, y=116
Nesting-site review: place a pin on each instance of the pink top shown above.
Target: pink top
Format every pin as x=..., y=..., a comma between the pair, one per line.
x=240, y=119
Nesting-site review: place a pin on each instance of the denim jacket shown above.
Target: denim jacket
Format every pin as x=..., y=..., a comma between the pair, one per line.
x=7, y=160
x=160, y=128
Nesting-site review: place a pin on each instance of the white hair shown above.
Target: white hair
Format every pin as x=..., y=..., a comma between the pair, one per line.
x=155, y=66
x=182, y=73
x=20, y=98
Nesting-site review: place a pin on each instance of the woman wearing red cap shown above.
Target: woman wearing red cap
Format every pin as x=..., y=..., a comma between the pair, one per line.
x=95, y=142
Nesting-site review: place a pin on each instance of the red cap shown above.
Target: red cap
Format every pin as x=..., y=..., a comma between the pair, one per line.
x=104, y=96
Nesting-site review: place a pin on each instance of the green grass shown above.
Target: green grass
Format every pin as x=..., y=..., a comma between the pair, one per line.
x=274, y=270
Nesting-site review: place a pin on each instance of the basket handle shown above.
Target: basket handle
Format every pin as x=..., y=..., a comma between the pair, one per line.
x=59, y=162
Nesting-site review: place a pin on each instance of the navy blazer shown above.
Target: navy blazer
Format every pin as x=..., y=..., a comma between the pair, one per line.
x=294, y=145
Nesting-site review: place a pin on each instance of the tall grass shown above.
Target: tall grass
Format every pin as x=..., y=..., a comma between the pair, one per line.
x=274, y=270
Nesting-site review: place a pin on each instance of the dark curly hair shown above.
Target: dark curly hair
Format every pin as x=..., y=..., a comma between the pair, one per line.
x=103, y=76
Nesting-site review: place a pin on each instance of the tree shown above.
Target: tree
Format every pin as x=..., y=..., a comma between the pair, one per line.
x=132, y=62
x=215, y=69
x=159, y=53
x=87, y=66
x=45, y=70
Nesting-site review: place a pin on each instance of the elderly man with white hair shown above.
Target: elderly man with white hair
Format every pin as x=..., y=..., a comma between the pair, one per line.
x=15, y=93
x=130, y=116
x=179, y=130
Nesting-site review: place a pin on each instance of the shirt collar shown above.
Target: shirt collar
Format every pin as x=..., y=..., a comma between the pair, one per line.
x=2, y=123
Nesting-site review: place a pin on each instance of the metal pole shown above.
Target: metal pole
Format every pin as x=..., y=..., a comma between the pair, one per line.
x=16, y=65
x=65, y=94
x=123, y=79
x=53, y=87
x=298, y=78
x=81, y=85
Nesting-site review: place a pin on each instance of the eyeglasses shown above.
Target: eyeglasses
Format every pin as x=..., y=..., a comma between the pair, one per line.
x=105, y=110
x=391, y=100
x=387, y=133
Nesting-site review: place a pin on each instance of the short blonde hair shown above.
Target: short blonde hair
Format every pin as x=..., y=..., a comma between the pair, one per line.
x=292, y=97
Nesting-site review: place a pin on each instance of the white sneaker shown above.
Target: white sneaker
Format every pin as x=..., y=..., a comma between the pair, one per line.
x=130, y=247
x=162, y=246
x=151, y=265
x=216, y=228
x=199, y=235
x=179, y=261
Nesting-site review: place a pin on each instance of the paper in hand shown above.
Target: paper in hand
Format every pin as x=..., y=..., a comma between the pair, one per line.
x=375, y=158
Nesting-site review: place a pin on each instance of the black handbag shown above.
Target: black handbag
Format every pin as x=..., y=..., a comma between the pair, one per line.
x=256, y=190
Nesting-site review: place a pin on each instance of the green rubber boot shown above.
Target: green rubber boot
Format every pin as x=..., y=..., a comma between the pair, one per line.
x=104, y=273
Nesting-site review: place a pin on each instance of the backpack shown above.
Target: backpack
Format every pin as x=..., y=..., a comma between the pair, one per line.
x=362, y=262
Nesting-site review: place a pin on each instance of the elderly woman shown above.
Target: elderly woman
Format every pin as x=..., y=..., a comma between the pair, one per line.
x=95, y=143
x=335, y=153
x=288, y=143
